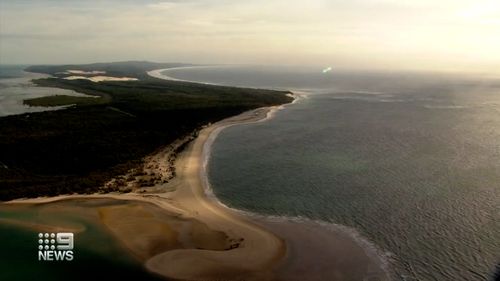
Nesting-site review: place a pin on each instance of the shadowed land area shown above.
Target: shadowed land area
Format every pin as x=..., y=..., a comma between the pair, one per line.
x=80, y=148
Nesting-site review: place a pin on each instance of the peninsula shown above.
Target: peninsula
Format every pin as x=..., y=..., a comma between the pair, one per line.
x=99, y=143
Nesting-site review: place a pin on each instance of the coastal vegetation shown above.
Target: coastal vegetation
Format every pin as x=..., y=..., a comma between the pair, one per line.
x=78, y=149
x=60, y=100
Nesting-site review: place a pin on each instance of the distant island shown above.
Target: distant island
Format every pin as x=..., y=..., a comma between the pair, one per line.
x=100, y=142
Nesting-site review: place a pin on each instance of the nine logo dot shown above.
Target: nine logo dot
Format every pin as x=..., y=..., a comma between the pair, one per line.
x=46, y=241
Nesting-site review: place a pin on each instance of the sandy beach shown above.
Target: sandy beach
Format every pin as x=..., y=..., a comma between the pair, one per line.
x=187, y=228
x=158, y=73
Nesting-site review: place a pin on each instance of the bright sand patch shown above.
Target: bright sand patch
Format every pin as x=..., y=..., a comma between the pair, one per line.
x=147, y=234
x=150, y=230
x=85, y=72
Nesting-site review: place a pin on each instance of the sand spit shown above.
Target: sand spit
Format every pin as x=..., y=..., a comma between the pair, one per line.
x=226, y=245
x=182, y=233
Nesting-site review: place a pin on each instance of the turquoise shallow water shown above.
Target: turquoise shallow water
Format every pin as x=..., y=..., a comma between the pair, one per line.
x=15, y=86
x=97, y=254
x=411, y=161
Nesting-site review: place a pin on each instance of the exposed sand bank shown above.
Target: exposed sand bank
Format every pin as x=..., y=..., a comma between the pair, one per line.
x=225, y=245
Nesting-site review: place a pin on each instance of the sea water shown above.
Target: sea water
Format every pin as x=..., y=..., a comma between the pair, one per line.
x=16, y=86
x=409, y=161
x=97, y=254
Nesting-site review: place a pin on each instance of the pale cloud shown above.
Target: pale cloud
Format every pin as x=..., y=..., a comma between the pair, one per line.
x=166, y=5
x=162, y=5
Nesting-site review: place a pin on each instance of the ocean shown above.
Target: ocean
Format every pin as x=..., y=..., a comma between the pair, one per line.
x=407, y=162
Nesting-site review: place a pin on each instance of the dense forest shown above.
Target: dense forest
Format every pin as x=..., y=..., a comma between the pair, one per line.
x=76, y=150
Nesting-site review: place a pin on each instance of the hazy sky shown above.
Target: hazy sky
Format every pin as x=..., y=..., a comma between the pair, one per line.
x=434, y=34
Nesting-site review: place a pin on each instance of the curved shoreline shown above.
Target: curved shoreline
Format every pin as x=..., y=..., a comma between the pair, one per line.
x=267, y=247
x=365, y=260
x=260, y=249
x=157, y=73
x=253, y=259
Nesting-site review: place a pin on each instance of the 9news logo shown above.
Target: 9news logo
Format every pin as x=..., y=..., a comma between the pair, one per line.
x=55, y=246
